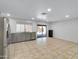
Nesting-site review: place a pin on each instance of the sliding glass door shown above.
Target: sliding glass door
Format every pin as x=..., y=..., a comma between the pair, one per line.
x=41, y=31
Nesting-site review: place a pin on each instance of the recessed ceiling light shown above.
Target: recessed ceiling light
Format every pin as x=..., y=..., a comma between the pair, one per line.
x=8, y=14
x=67, y=16
x=33, y=18
x=49, y=9
x=5, y=14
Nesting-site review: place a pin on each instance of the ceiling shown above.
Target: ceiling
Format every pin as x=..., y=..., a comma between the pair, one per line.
x=28, y=9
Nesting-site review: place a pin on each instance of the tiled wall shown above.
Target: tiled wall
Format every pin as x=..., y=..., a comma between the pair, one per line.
x=1, y=36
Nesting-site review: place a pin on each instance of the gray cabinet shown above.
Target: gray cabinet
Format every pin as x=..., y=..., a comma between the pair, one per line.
x=21, y=37
x=1, y=37
x=33, y=35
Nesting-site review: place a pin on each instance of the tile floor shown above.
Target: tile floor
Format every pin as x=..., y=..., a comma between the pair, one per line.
x=43, y=48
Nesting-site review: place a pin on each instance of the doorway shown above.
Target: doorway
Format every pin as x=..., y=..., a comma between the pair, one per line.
x=41, y=31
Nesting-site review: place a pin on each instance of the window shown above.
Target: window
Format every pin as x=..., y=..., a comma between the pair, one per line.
x=23, y=28
x=17, y=27
x=28, y=28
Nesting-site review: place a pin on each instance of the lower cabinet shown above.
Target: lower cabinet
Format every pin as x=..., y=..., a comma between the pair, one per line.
x=33, y=36
x=21, y=37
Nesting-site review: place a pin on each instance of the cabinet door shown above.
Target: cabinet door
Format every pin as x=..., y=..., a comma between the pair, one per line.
x=33, y=35
x=27, y=36
x=1, y=37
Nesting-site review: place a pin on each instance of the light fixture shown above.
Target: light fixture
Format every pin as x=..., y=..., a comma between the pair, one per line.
x=5, y=14
x=33, y=18
x=49, y=9
x=8, y=14
x=67, y=16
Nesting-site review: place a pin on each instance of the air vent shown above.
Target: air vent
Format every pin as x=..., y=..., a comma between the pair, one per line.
x=43, y=13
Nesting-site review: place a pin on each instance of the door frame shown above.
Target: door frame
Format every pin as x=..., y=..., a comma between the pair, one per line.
x=42, y=27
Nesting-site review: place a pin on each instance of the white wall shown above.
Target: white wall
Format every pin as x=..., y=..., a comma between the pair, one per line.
x=13, y=23
x=67, y=30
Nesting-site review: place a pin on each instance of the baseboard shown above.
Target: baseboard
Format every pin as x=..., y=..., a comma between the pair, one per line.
x=64, y=40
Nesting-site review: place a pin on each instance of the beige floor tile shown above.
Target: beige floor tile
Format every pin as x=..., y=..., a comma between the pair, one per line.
x=50, y=49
